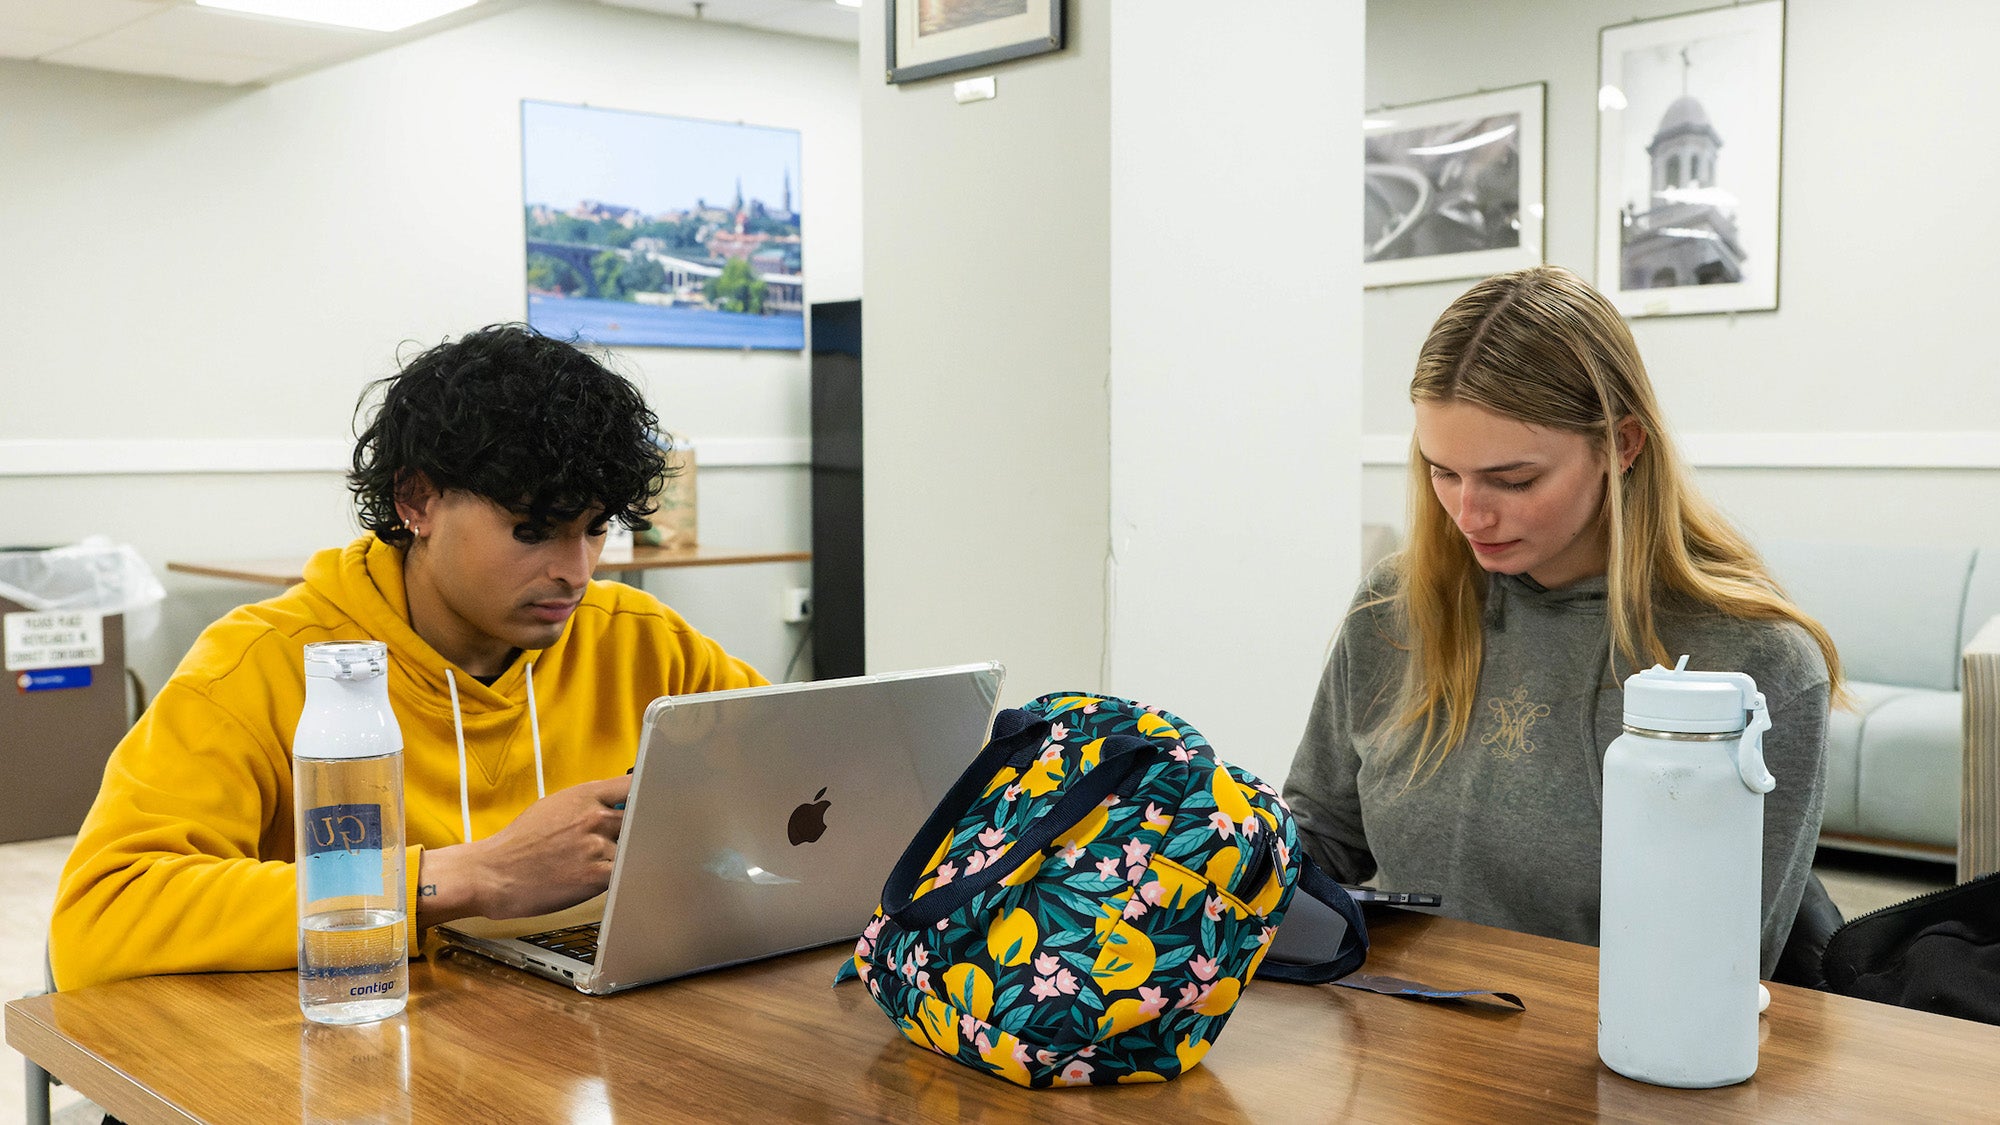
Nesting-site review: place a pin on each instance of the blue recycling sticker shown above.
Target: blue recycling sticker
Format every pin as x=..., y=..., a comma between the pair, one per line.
x=52, y=679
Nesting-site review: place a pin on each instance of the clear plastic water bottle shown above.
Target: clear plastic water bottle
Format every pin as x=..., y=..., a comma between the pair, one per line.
x=347, y=797
x=1682, y=886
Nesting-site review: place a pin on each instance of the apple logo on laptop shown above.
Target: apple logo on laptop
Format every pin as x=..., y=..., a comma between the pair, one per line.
x=808, y=820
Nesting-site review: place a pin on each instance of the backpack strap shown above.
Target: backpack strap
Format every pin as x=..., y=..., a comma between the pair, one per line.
x=1353, y=944
x=1120, y=757
x=1339, y=969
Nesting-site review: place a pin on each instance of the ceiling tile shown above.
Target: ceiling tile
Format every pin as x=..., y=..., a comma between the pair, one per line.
x=77, y=19
x=192, y=66
x=24, y=43
x=718, y=11
x=817, y=20
x=218, y=32
x=174, y=38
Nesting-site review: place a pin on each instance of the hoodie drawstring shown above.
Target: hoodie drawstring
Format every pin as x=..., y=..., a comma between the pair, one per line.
x=458, y=729
x=535, y=732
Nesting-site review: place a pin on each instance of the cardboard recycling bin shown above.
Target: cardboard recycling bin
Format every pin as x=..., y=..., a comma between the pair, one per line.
x=63, y=700
x=57, y=728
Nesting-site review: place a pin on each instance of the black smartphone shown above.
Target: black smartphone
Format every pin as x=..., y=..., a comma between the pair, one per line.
x=1312, y=931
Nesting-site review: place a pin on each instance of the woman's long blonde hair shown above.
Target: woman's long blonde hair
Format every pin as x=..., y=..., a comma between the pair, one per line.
x=1540, y=346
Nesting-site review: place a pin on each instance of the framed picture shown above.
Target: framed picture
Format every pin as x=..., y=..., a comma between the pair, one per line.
x=931, y=37
x=1690, y=116
x=650, y=230
x=1453, y=188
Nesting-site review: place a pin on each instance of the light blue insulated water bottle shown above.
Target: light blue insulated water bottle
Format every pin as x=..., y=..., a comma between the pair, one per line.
x=1682, y=883
x=347, y=797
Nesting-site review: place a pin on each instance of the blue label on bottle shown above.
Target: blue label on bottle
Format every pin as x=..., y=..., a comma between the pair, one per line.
x=343, y=851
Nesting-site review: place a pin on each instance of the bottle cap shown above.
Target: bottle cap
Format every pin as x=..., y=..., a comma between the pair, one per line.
x=346, y=660
x=1684, y=702
x=347, y=711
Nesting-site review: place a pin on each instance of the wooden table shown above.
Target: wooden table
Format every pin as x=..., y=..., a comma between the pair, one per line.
x=773, y=1042
x=289, y=572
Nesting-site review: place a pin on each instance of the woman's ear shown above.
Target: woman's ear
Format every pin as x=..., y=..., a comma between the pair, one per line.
x=1631, y=439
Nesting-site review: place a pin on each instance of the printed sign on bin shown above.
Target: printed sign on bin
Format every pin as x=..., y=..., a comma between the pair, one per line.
x=66, y=639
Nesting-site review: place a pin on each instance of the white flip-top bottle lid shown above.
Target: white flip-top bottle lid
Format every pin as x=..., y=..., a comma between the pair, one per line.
x=1677, y=701
x=346, y=660
x=1684, y=702
x=347, y=712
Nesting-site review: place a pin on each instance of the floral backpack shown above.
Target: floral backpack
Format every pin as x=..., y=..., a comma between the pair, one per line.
x=1088, y=902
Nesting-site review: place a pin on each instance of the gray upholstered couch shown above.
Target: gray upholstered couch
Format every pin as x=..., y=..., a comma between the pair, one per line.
x=1901, y=617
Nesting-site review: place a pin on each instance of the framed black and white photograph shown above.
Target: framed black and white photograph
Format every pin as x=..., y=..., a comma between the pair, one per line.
x=1690, y=119
x=1453, y=188
x=931, y=37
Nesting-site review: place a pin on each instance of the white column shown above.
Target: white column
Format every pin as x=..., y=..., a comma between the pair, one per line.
x=986, y=340
x=1235, y=359
x=1112, y=351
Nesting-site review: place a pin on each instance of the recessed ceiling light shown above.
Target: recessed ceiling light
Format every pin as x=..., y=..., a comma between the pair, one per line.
x=366, y=15
x=848, y=3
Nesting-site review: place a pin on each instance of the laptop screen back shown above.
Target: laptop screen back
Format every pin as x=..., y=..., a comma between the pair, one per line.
x=765, y=820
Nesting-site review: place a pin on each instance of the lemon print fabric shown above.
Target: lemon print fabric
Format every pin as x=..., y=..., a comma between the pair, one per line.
x=1011, y=940
x=1117, y=952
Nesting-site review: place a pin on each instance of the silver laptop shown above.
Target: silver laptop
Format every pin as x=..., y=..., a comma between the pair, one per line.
x=761, y=821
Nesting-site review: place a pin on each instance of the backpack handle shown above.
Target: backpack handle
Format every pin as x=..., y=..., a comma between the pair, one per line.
x=1353, y=945
x=1120, y=756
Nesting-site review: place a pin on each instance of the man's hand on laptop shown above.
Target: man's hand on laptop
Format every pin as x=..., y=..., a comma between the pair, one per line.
x=557, y=853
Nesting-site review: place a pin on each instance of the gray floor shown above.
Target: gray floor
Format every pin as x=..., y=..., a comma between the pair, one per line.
x=1857, y=882
x=27, y=889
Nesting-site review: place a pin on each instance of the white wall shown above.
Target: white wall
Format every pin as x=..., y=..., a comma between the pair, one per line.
x=1102, y=446
x=1234, y=389
x=222, y=266
x=986, y=344
x=1874, y=367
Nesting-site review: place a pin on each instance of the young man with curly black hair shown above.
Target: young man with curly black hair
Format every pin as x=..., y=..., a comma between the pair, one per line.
x=485, y=479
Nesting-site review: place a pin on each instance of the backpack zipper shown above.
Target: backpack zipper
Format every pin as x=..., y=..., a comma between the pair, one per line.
x=1909, y=902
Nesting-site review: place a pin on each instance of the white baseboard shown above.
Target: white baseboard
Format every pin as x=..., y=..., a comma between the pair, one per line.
x=35, y=457
x=1965, y=449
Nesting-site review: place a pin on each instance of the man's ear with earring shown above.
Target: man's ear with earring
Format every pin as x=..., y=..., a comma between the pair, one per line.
x=413, y=495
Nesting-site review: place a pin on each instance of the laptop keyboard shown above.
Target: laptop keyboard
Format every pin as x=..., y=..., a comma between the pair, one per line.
x=579, y=942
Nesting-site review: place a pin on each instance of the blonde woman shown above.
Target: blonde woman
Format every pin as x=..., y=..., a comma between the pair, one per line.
x=1556, y=546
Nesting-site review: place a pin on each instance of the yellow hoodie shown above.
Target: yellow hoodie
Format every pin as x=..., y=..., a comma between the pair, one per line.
x=185, y=863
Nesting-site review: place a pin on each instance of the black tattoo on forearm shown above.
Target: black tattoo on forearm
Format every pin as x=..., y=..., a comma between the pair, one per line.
x=427, y=890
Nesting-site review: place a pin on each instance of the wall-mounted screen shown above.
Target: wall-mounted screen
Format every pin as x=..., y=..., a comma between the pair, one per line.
x=649, y=230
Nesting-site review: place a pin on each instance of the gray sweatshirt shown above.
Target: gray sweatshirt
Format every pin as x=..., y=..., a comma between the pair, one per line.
x=1508, y=828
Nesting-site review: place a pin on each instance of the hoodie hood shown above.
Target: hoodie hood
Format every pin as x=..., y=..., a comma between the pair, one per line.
x=620, y=650
x=1513, y=595
x=365, y=581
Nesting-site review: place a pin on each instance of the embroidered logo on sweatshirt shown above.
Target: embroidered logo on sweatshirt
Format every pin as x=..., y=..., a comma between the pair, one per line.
x=1512, y=719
